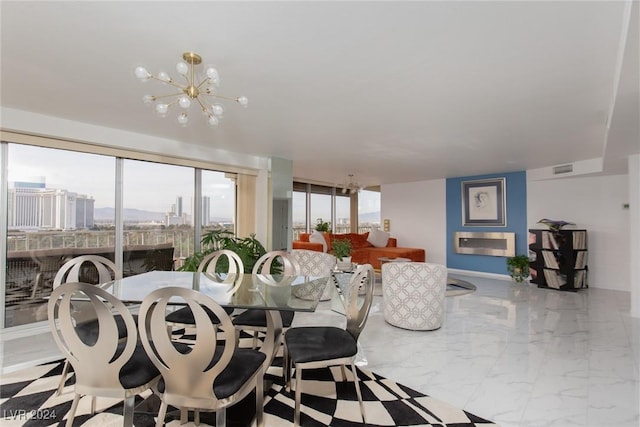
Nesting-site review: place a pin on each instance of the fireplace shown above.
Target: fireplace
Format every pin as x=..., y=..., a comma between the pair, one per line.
x=477, y=243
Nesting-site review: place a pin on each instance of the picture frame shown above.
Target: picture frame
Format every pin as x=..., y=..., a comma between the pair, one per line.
x=484, y=203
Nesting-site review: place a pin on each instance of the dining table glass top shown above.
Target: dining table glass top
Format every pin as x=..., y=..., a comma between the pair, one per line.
x=243, y=290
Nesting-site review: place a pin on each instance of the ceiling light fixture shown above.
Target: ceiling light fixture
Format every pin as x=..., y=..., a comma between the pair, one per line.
x=352, y=187
x=206, y=85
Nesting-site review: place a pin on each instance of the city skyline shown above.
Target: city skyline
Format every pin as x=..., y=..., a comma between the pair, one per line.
x=140, y=178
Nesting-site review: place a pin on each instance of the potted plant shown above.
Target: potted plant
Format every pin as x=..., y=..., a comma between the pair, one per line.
x=323, y=226
x=518, y=267
x=341, y=248
x=248, y=248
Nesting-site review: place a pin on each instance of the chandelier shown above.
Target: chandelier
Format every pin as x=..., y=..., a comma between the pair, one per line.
x=351, y=187
x=199, y=89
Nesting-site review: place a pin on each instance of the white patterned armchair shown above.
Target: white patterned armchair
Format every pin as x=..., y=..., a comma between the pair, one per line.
x=413, y=294
x=314, y=263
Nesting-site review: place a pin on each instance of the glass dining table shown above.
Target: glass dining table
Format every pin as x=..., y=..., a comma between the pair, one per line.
x=272, y=293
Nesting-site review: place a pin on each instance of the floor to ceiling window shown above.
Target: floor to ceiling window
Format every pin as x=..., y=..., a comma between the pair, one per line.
x=62, y=204
x=368, y=210
x=299, y=212
x=311, y=202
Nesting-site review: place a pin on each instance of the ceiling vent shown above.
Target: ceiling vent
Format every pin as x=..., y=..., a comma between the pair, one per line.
x=562, y=169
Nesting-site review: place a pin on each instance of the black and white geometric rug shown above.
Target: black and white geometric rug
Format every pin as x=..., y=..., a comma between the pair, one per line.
x=28, y=398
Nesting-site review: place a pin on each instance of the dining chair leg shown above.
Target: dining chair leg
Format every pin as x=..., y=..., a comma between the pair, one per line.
x=296, y=413
x=93, y=405
x=184, y=415
x=221, y=417
x=127, y=412
x=285, y=366
x=72, y=411
x=357, y=384
x=63, y=378
x=196, y=417
x=344, y=373
x=260, y=399
x=161, y=414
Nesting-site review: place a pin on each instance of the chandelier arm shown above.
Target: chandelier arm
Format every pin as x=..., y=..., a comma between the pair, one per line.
x=203, y=82
x=202, y=105
x=166, y=96
x=220, y=96
x=170, y=82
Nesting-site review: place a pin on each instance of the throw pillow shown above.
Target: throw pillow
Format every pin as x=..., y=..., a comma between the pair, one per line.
x=378, y=238
x=318, y=237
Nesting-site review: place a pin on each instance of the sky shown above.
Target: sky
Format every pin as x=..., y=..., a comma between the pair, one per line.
x=147, y=186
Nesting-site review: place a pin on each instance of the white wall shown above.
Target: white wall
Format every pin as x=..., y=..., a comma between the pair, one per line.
x=418, y=215
x=634, y=225
x=417, y=212
x=596, y=204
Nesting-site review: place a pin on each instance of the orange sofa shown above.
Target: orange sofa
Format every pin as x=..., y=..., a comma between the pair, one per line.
x=362, y=252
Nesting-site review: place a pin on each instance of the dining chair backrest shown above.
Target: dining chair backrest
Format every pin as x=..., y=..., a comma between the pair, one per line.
x=96, y=365
x=357, y=309
x=188, y=376
x=209, y=263
x=290, y=266
x=314, y=263
x=76, y=270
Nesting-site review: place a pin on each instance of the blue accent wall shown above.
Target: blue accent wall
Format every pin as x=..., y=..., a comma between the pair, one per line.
x=516, y=216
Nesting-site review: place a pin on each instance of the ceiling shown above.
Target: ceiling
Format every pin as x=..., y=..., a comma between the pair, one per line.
x=388, y=91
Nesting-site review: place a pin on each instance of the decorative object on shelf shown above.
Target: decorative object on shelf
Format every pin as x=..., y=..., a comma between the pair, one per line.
x=194, y=90
x=341, y=248
x=483, y=203
x=322, y=226
x=558, y=259
x=352, y=186
x=518, y=267
x=553, y=224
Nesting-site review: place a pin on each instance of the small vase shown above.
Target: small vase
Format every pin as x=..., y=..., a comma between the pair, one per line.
x=344, y=264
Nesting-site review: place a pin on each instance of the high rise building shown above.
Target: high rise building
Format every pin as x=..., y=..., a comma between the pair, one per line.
x=33, y=206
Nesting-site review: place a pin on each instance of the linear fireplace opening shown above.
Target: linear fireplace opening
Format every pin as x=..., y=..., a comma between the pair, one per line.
x=487, y=243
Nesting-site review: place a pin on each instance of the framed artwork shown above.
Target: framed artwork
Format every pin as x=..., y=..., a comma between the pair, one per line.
x=483, y=203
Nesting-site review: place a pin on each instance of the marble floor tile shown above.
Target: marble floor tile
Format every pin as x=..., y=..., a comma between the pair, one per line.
x=513, y=353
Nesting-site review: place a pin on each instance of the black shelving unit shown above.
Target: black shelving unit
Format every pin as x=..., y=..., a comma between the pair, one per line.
x=558, y=259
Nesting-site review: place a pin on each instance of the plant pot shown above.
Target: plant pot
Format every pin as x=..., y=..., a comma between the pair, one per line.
x=344, y=263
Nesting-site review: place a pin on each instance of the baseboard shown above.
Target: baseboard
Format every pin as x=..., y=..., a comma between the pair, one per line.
x=480, y=274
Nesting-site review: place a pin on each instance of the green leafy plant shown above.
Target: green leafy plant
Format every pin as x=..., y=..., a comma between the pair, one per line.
x=341, y=248
x=518, y=267
x=248, y=248
x=323, y=226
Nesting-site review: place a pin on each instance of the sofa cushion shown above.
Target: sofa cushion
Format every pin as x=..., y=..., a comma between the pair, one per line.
x=378, y=238
x=358, y=241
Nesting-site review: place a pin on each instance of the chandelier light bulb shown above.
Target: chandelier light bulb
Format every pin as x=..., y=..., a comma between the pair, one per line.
x=164, y=77
x=162, y=109
x=212, y=73
x=142, y=73
x=197, y=87
x=217, y=110
x=182, y=68
x=184, y=102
